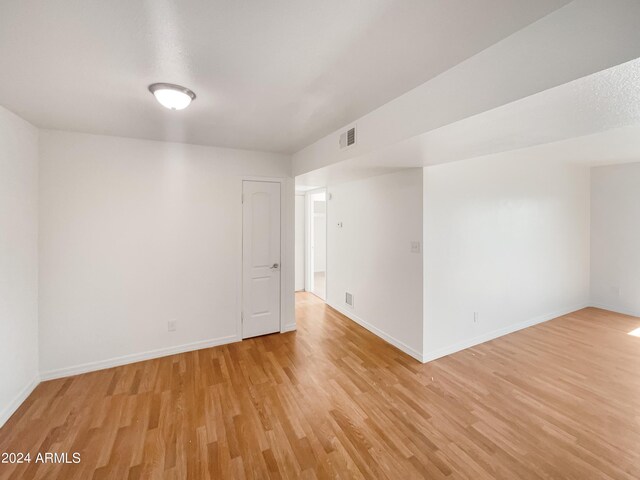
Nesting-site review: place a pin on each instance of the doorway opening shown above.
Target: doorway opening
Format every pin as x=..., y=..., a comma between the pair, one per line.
x=317, y=243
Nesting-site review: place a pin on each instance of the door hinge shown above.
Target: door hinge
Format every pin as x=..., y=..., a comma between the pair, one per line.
x=243, y=198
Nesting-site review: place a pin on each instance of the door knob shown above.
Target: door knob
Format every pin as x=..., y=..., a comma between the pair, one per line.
x=275, y=266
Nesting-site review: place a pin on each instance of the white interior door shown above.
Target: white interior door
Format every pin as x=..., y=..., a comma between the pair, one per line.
x=260, y=258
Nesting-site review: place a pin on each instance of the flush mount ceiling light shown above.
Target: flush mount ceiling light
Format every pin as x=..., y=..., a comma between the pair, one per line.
x=173, y=97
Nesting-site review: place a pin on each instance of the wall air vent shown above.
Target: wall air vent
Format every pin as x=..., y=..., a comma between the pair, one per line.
x=348, y=299
x=348, y=138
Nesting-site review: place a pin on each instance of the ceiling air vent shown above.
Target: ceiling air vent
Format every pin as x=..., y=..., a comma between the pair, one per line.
x=348, y=138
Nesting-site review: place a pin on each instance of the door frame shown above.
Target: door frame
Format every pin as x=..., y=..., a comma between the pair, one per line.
x=304, y=241
x=283, y=261
x=308, y=263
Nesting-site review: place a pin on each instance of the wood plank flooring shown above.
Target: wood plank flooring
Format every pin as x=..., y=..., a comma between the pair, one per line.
x=558, y=400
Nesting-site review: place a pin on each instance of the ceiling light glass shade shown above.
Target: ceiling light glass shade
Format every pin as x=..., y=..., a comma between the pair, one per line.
x=173, y=97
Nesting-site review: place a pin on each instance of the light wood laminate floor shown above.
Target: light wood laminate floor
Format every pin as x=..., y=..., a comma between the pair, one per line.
x=558, y=400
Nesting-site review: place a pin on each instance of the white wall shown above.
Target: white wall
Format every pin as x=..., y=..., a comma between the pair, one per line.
x=18, y=261
x=300, y=242
x=506, y=236
x=615, y=238
x=370, y=256
x=136, y=233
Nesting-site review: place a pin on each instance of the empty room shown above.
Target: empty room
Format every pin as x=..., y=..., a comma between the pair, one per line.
x=369, y=239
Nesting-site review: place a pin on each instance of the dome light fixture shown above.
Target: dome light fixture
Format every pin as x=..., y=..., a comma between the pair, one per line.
x=173, y=97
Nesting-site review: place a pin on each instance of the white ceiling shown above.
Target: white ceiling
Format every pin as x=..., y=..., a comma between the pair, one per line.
x=594, y=119
x=270, y=75
x=609, y=147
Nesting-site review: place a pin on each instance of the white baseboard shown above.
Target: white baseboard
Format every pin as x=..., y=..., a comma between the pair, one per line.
x=17, y=401
x=615, y=309
x=136, y=357
x=10, y=409
x=385, y=336
x=485, y=337
x=288, y=328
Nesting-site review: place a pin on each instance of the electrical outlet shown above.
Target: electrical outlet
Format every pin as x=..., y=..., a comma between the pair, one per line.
x=171, y=325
